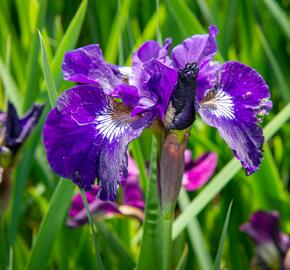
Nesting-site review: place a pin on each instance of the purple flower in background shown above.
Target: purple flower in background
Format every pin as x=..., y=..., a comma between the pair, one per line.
x=13, y=133
x=15, y=130
x=87, y=133
x=196, y=174
x=272, y=245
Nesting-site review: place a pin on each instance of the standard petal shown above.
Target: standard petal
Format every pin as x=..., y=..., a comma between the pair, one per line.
x=158, y=89
x=87, y=65
x=148, y=51
x=198, y=172
x=86, y=137
x=235, y=105
x=198, y=48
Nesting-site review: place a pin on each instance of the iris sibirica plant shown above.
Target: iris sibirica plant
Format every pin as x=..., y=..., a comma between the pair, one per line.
x=86, y=134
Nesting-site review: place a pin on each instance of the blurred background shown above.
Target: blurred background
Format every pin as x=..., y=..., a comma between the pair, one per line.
x=256, y=33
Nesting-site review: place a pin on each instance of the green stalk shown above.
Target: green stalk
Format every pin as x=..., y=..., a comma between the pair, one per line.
x=166, y=246
x=98, y=257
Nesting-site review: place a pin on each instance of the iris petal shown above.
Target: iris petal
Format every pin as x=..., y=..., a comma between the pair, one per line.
x=198, y=172
x=86, y=133
x=233, y=105
x=87, y=65
x=158, y=89
x=198, y=48
x=148, y=51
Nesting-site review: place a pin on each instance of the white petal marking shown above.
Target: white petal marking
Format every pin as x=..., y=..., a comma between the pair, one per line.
x=112, y=122
x=219, y=103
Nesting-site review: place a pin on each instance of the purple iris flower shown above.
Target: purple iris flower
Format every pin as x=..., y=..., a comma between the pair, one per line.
x=13, y=133
x=196, y=174
x=15, y=130
x=87, y=133
x=272, y=245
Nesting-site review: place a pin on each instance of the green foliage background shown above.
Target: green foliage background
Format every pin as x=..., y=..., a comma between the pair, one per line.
x=33, y=232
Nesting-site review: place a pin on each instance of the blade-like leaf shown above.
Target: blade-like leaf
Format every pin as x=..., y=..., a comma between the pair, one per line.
x=11, y=88
x=147, y=257
x=68, y=41
x=93, y=233
x=32, y=76
x=195, y=235
x=117, y=28
x=275, y=66
x=222, y=239
x=51, y=225
x=281, y=17
x=51, y=89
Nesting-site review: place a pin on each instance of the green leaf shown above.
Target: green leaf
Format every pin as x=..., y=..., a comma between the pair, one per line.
x=195, y=235
x=51, y=225
x=32, y=71
x=11, y=88
x=223, y=177
x=279, y=14
x=21, y=175
x=151, y=28
x=68, y=42
x=138, y=157
x=93, y=233
x=117, y=28
x=187, y=21
x=281, y=81
x=147, y=257
x=116, y=245
x=51, y=89
x=222, y=239
x=182, y=261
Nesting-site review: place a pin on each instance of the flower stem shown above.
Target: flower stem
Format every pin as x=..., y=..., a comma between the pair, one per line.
x=166, y=222
x=98, y=257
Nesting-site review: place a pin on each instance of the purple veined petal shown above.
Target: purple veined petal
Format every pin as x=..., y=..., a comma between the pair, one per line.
x=234, y=105
x=198, y=48
x=148, y=51
x=87, y=65
x=198, y=172
x=86, y=137
x=160, y=85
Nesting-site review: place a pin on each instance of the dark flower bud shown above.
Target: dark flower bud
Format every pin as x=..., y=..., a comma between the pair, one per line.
x=171, y=170
x=180, y=113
